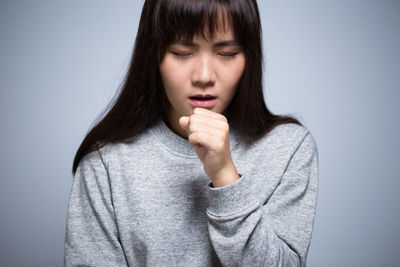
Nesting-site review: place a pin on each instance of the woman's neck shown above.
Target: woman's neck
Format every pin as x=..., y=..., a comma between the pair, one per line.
x=173, y=125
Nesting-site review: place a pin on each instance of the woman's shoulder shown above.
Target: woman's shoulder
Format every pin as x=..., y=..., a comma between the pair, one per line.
x=286, y=138
x=290, y=136
x=289, y=130
x=128, y=148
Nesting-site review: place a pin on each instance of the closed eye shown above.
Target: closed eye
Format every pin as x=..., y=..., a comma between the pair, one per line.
x=185, y=56
x=180, y=56
x=228, y=56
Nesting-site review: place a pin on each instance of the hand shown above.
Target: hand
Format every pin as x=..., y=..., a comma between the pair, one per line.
x=208, y=134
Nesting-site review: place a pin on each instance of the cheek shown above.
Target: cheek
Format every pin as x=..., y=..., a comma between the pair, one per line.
x=165, y=71
x=240, y=66
x=233, y=74
x=172, y=75
x=168, y=80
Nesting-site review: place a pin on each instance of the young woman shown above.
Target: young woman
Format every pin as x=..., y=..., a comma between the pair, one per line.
x=189, y=167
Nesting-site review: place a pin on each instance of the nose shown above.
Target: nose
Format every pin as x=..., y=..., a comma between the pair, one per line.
x=203, y=74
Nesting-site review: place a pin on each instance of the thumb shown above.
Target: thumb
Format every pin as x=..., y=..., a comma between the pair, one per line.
x=184, y=122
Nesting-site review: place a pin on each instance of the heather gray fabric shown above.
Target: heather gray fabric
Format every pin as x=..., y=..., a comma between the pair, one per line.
x=149, y=203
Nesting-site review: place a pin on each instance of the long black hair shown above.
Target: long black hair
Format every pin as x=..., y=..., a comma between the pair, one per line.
x=142, y=100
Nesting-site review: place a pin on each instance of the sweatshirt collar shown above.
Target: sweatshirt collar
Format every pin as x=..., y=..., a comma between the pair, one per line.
x=176, y=144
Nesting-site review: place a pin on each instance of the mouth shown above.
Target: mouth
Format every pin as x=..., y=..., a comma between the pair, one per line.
x=205, y=101
x=203, y=97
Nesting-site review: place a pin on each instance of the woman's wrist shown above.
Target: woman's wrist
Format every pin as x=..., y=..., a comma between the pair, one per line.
x=226, y=178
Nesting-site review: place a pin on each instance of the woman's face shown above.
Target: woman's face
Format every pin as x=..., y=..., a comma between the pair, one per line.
x=200, y=68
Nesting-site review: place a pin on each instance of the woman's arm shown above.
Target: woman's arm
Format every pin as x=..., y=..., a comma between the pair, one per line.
x=91, y=233
x=245, y=232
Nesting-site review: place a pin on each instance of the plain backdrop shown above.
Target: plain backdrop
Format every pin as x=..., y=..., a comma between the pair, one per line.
x=332, y=64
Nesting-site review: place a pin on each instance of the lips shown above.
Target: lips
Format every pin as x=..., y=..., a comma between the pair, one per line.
x=205, y=101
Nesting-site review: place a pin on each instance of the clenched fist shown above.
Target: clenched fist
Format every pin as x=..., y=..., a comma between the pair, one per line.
x=208, y=134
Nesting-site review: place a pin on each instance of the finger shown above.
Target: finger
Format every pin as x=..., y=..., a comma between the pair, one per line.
x=201, y=138
x=202, y=127
x=210, y=113
x=212, y=123
x=184, y=122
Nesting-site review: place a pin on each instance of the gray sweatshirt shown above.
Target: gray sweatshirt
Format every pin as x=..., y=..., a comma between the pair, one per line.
x=148, y=202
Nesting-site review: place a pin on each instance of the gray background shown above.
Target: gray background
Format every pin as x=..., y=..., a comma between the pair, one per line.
x=333, y=64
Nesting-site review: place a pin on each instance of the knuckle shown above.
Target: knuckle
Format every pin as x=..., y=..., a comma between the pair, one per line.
x=226, y=127
x=193, y=117
x=223, y=118
x=192, y=127
x=196, y=110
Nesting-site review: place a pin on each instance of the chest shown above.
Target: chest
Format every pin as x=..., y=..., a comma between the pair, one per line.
x=162, y=205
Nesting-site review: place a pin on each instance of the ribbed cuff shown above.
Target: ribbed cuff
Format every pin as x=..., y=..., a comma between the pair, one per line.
x=231, y=199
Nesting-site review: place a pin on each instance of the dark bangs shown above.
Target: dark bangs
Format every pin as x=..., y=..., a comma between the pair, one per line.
x=182, y=19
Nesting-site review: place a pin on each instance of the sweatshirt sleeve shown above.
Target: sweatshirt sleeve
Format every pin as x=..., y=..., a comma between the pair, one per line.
x=244, y=231
x=91, y=237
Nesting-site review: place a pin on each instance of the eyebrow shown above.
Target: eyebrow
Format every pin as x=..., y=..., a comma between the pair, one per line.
x=218, y=44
